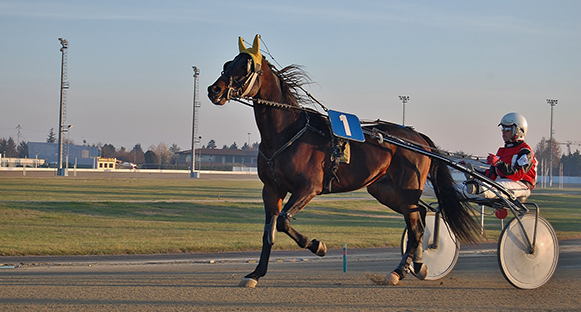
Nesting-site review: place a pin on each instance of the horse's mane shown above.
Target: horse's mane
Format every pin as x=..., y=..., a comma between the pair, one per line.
x=292, y=78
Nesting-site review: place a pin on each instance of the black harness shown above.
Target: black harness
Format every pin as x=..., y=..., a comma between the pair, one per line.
x=240, y=89
x=270, y=160
x=338, y=149
x=245, y=84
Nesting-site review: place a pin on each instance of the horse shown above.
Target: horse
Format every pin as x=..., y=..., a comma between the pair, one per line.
x=298, y=155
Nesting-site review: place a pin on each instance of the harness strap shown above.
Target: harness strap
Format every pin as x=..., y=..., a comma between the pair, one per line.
x=270, y=162
x=339, y=145
x=290, y=142
x=249, y=80
x=338, y=150
x=249, y=83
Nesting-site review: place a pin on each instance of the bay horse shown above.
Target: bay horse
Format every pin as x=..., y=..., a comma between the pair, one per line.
x=297, y=152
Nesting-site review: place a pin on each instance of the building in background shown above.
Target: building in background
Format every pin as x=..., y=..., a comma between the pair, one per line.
x=81, y=155
x=107, y=163
x=21, y=162
x=220, y=159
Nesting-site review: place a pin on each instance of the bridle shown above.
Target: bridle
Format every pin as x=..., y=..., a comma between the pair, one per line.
x=241, y=88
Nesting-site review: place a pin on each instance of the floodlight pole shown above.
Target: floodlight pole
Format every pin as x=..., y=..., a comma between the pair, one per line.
x=60, y=170
x=193, y=173
x=404, y=99
x=552, y=103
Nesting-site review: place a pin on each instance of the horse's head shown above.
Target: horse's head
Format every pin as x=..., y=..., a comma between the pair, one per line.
x=239, y=77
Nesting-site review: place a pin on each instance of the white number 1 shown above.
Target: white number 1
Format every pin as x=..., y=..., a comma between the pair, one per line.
x=343, y=118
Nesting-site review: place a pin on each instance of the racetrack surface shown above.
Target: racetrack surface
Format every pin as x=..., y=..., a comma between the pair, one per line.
x=297, y=281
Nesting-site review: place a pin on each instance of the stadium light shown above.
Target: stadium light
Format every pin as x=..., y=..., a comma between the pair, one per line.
x=552, y=103
x=193, y=173
x=64, y=85
x=404, y=99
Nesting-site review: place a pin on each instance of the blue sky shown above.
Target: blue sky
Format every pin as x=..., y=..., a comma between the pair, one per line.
x=464, y=64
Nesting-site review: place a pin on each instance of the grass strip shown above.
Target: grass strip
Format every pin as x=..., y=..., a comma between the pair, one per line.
x=53, y=216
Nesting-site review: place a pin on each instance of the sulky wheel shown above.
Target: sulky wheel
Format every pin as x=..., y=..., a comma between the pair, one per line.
x=440, y=261
x=521, y=268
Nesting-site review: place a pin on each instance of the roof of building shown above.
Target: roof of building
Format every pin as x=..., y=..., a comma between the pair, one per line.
x=222, y=152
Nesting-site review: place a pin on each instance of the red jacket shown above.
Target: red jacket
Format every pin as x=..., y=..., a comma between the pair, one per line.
x=516, y=162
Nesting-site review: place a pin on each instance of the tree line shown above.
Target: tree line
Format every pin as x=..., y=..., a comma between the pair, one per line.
x=9, y=148
x=162, y=154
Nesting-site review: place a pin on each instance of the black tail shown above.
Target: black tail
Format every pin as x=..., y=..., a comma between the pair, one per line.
x=455, y=210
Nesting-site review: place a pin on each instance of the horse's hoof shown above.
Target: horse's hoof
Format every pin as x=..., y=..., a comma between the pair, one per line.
x=248, y=282
x=321, y=248
x=420, y=271
x=392, y=278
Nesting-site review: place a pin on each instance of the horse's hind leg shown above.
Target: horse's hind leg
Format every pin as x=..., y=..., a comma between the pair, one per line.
x=420, y=269
x=414, y=217
x=404, y=201
x=415, y=221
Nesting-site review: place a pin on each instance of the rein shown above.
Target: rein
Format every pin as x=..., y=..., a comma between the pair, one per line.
x=270, y=161
x=273, y=104
x=374, y=134
x=240, y=94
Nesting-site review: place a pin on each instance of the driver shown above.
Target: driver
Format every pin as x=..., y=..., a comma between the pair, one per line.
x=514, y=165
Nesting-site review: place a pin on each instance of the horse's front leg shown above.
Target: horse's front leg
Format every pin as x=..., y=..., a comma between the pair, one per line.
x=272, y=206
x=296, y=203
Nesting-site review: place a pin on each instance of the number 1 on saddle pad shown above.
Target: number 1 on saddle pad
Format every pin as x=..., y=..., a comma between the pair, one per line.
x=346, y=126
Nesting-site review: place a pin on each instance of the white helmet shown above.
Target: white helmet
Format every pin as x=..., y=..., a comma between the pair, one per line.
x=517, y=122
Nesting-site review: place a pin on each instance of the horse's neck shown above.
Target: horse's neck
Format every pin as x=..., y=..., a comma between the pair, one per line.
x=273, y=123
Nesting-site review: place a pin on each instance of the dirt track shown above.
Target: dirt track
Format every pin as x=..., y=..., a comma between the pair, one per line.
x=192, y=282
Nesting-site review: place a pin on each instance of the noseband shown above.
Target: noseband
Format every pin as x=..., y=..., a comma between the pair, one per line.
x=245, y=84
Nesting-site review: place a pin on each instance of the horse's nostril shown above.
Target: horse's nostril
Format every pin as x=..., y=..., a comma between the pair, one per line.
x=213, y=89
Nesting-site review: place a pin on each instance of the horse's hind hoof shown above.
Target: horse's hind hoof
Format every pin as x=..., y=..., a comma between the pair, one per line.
x=248, y=282
x=392, y=278
x=420, y=271
x=321, y=248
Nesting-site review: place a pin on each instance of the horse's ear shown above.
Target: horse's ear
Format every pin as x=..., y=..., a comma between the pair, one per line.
x=253, y=51
x=256, y=45
x=241, y=46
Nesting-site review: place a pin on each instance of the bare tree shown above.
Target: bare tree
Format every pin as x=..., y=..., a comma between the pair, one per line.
x=162, y=152
x=174, y=149
x=542, y=152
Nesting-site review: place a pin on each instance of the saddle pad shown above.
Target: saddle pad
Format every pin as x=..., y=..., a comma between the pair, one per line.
x=346, y=126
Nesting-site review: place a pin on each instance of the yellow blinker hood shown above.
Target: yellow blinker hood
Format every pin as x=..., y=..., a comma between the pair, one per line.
x=253, y=51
